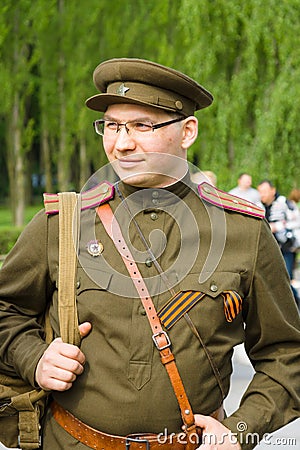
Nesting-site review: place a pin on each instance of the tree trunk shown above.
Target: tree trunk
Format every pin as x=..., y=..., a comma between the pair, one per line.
x=84, y=170
x=231, y=154
x=17, y=183
x=46, y=159
x=63, y=169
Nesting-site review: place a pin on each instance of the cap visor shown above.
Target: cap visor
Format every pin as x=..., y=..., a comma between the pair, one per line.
x=100, y=102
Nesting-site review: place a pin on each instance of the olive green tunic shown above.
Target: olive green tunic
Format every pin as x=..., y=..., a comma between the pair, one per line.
x=201, y=247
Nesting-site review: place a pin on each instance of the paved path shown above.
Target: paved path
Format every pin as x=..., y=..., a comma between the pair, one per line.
x=288, y=437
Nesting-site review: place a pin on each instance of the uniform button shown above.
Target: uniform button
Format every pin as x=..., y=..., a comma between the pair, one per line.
x=178, y=105
x=78, y=284
x=154, y=216
x=213, y=287
x=143, y=312
x=154, y=201
x=148, y=262
x=155, y=194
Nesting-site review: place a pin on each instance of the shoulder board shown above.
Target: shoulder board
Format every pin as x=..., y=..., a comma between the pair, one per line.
x=99, y=194
x=227, y=201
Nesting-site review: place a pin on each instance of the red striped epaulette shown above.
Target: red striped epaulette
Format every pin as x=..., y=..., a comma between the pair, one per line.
x=227, y=201
x=89, y=199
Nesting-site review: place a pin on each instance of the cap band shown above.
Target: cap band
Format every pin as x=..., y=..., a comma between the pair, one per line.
x=152, y=95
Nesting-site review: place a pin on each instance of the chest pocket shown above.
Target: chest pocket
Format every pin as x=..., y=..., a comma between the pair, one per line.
x=91, y=279
x=225, y=285
x=95, y=277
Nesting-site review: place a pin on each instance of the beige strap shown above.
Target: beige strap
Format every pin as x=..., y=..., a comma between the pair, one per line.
x=30, y=404
x=28, y=418
x=69, y=214
x=160, y=337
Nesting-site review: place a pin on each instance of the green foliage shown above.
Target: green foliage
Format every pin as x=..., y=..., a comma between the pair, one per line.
x=8, y=237
x=246, y=53
x=8, y=233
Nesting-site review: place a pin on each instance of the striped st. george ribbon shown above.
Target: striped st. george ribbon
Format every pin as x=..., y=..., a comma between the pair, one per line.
x=177, y=306
x=232, y=304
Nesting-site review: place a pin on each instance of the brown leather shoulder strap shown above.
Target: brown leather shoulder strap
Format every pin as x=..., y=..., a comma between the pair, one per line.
x=160, y=337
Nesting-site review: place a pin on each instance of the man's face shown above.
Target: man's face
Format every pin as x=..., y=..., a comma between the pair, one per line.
x=153, y=158
x=245, y=181
x=267, y=193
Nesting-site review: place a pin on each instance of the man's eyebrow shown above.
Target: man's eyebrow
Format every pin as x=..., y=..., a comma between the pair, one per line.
x=137, y=119
x=105, y=117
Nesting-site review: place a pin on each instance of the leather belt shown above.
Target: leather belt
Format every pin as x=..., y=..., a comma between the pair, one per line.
x=95, y=439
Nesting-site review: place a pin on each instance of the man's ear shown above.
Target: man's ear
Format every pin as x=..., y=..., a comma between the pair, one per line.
x=190, y=132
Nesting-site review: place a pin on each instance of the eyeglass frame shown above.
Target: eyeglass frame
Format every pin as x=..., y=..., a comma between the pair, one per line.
x=119, y=125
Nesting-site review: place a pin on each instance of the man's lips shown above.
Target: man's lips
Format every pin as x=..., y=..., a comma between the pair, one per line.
x=129, y=162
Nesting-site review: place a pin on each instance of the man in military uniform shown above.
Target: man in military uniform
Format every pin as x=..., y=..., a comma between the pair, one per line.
x=206, y=262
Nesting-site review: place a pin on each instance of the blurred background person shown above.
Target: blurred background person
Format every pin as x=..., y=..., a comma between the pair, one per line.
x=282, y=221
x=206, y=175
x=245, y=190
x=294, y=223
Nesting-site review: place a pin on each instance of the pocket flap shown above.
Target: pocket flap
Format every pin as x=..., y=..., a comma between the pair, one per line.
x=91, y=278
x=214, y=285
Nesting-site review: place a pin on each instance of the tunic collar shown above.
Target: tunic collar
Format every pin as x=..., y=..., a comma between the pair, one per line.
x=153, y=198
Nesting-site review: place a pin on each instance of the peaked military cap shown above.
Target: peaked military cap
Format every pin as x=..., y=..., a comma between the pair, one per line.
x=142, y=82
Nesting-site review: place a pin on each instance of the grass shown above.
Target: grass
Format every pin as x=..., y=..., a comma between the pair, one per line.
x=8, y=232
x=6, y=215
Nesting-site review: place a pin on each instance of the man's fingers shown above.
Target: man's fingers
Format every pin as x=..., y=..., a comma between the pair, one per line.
x=60, y=364
x=202, y=421
x=59, y=361
x=58, y=348
x=215, y=435
x=53, y=384
x=84, y=329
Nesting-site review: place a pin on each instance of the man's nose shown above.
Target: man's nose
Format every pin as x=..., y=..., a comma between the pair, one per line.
x=124, y=140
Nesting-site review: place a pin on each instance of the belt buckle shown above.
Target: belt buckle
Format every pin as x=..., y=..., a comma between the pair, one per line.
x=129, y=441
x=161, y=333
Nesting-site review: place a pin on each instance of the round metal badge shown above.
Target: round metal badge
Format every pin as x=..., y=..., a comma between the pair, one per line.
x=95, y=248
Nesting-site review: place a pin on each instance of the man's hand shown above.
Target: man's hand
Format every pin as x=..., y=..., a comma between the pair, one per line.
x=215, y=435
x=61, y=363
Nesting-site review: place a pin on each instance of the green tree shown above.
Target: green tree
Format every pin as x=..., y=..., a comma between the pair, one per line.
x=17, y=61
x=246, y=53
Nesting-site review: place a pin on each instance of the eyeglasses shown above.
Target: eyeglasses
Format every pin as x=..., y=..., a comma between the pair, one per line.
x=105, y=126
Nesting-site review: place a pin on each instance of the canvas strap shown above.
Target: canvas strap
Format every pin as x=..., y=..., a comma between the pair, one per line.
x=28, y=403
x=29, y=418
x=69, y=215
x=159, y=336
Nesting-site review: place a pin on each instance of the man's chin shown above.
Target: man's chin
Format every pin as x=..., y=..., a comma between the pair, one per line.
x=147, y=180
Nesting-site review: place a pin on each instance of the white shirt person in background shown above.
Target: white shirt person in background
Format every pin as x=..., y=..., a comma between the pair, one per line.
x=245, y=190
